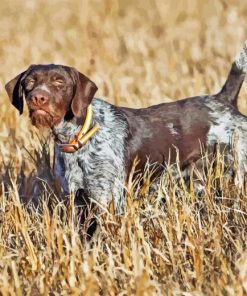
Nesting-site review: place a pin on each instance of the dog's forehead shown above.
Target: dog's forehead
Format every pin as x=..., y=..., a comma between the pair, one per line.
x=49, y=71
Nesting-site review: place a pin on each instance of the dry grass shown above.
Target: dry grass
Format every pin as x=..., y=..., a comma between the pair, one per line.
x=139, y=53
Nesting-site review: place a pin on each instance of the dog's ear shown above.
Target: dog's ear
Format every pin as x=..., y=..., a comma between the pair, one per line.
x=15, y=91
x=84, y=92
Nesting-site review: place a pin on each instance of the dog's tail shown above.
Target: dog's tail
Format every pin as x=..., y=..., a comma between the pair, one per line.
x=229, y=92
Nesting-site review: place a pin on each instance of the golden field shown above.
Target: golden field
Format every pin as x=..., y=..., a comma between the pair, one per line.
x=139, y=53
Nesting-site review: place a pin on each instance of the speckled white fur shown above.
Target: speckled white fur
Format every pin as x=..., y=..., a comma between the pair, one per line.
x=172, y=129
x=230, y=128
x=99, y=166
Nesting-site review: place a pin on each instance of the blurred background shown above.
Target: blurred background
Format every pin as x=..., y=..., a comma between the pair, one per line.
x=137, y=52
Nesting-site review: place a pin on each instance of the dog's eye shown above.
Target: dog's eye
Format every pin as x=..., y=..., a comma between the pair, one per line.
x=29, y=83
x=58, y=82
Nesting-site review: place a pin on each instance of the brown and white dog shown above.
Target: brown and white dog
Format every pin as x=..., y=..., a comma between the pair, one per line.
x=96, y=142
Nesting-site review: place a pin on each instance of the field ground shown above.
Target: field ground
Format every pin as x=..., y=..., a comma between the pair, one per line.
x=139, y=53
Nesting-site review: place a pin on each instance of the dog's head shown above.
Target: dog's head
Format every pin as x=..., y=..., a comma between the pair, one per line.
x=52, y=92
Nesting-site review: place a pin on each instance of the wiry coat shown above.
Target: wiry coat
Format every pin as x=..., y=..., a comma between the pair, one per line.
x=58, y=96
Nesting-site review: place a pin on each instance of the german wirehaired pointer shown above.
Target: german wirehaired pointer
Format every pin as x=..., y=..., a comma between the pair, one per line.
x=96, y=142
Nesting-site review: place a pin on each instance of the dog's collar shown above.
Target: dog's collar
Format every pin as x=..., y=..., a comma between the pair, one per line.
x=81, y=138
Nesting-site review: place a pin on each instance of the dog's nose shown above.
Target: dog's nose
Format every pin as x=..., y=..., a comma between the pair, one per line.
x=39, y=99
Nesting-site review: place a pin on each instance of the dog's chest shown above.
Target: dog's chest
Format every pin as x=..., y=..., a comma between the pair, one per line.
x=71, y=170
x=99, y=165
x=94, y=167
x=75, y=169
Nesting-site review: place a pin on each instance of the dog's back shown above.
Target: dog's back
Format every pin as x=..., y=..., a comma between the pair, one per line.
x=159, y=133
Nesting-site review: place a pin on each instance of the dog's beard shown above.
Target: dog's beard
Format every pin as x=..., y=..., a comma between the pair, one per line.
x=40, y=118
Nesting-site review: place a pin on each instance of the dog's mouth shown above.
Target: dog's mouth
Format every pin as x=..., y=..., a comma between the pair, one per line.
x=40, y=112
x=42, y=118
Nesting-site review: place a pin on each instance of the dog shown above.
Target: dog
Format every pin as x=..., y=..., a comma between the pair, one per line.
x=96, y=142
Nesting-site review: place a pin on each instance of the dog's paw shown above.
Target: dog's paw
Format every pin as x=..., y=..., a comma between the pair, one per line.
x=241, y=59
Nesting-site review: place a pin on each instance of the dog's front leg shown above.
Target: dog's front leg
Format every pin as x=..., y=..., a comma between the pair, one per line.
x=106, y=189
x=61, y=183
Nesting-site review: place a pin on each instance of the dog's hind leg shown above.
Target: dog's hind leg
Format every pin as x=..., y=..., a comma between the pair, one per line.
x=240, y=159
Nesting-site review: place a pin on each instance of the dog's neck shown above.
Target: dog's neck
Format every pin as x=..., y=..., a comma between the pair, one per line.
x=103, y=114
x=65, y=130
x=73, y=127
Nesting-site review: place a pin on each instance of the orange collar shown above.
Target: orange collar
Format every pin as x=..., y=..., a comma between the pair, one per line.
x=81, y=138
